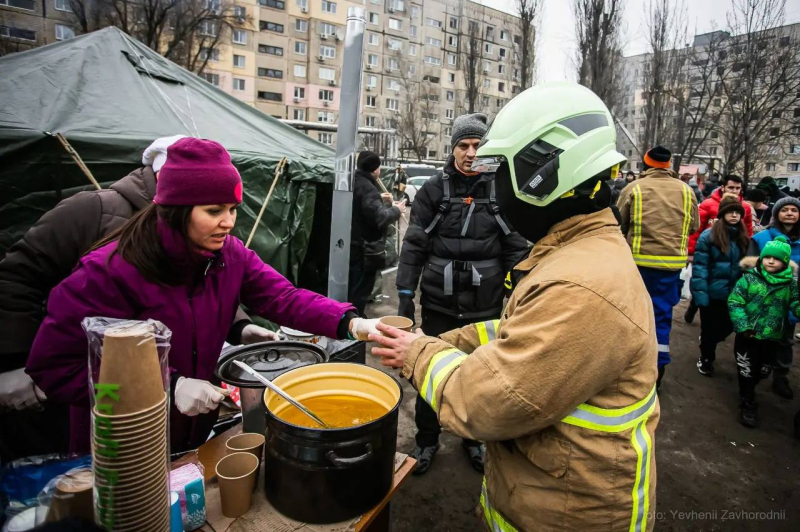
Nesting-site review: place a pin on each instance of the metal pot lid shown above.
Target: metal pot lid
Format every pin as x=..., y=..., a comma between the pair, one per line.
x=270, y=359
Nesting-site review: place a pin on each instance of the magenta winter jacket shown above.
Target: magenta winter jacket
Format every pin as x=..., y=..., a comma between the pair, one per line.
x=199, y=319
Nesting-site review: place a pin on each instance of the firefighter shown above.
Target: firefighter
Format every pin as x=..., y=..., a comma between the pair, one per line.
x=461, y=247
x=562, y=387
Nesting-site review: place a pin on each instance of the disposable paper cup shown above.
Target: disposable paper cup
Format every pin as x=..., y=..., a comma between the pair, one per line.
x=120, y=420
x=143, y=436
x=130, y=360
x=249, y=442
x=72, y=496
x=126, y=483
x=130, y=472
x=398, y=322
x=128, y=453
x=236, y=474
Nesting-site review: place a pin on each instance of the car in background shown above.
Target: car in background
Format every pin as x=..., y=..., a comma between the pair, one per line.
x=417, y=175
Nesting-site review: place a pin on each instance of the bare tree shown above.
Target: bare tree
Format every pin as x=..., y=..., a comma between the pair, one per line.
x=89, y=14
x=473, y=66
x=598, y=28
x=418, y=110
x=528, y=11
x=763, y=88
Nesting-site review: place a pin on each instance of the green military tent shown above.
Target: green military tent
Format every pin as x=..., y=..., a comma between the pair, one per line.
x=110, y=97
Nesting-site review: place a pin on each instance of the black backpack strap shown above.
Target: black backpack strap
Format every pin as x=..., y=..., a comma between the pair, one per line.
x=496, y=210
x=443, y=206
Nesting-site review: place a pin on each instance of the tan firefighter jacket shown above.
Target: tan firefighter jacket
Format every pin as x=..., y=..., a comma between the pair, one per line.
x=659, y=213
x=561, y=389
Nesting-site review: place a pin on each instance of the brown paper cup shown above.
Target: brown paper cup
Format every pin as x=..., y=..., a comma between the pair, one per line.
x=123, y=420
x=72, y=496
x=130, y=360
x=249, y=442
x=236, y=474
x=398, y=322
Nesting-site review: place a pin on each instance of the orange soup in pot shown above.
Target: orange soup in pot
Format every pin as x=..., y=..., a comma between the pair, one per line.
x=338, y=411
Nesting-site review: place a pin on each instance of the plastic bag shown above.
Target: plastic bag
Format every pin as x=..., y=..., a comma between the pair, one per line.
x=686, y=275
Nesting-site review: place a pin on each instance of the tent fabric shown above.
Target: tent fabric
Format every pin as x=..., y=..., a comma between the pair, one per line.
x=111, y=96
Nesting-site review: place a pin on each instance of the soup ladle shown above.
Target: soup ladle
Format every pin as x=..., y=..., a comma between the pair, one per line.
x=275, y=388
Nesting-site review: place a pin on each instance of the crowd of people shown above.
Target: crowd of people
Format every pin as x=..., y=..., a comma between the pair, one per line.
x=529, y=348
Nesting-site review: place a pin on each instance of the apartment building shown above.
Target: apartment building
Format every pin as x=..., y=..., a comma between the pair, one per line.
x=284, y=57
x=781, y=159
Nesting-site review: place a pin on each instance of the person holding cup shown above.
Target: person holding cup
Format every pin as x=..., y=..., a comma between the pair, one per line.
x=176, y=262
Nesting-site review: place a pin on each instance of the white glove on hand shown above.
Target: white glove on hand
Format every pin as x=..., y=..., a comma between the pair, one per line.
x=18, y=392
x=193, y=396
x=253, y=333
x=361, y=328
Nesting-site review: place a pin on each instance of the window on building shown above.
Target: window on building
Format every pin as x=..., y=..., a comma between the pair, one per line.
x=793, y=167
x=238, y=61
x=453, y=23
x=208, y=54
x=503, y=35
x=61, y=5
x=300, y=93
x=238, y=84
x=430, y=41
x=374, y=18
x=429, y=59
x=501, y=69
x=328, y=7
x=300, y=71
x=299, y=114
x=429, y=115
x=301, y=25
x=414, y=12
x=273, y=50
x=326, y=29
x=270, y=96
x=452, y=40
x=327, y=51
x=328, y=74
x=325, y=138
x=395, y=24
x=303, y=5
x=500, y=103
x=448, y=113
x=501, y=52
x=270, y=73
x=372, y=81
x=17, y=33
x=64, y=32
x=448, y=131
x=325, y=116
x=396, y=5
x=450, y=96
x=774, y=132
x=372, y=59
x=369, y=121
x=487, y=67
x=433, y=23
x=489, y=33
x=374, y=39
x=794, y=149
x=451, y=77
x=372, y=101
x=265, y=25
x=211, y=78
x=299, y=48
x=209, y=28
x=488, y=48
x=275, y=4
x=412, y=50
x=412, y=69
x=392, y=104
x=30, y=5
x=326, y=95
x=771, y=167
x=451, y=59
x=393, y=85
x=515, y=75
x=239, y=37
x=393, y=64
x=797, y=109
x=487, y=83
x=501, y=87
x=395, y=45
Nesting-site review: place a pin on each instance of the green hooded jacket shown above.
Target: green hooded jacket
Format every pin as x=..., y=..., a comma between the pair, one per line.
x=760, y=301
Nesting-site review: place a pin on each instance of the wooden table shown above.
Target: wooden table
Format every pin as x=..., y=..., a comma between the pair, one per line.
x=377, y=519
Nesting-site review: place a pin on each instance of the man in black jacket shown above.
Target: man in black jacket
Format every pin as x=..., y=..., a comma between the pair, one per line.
x=371, y=217
x=462, y=248
x=33, y=266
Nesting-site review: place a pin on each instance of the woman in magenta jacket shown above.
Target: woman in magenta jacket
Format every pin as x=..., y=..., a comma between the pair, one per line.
x=177, y=263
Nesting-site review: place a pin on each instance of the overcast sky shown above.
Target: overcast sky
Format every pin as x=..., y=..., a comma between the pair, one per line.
x=556, y=41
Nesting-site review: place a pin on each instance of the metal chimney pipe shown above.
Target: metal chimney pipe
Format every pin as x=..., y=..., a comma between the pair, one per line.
x=346, y=144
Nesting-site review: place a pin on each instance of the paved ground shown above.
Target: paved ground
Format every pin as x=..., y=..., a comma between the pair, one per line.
x=713, y=474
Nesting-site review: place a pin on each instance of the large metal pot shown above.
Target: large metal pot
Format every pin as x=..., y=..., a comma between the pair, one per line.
x=329, y=475
x=270, y=359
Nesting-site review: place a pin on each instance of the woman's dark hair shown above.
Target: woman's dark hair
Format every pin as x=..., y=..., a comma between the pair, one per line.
x=140, y=245
x=722, y=237
x=757, y=195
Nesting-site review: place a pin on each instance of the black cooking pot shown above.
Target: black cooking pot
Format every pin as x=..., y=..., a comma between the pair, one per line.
x=330, y=475
x=270, y=359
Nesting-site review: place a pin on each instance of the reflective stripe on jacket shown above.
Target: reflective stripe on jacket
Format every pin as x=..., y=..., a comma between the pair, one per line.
x=658, y=213
x=566, y=409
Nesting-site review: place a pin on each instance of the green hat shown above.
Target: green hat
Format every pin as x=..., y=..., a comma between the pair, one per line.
x=779, y=248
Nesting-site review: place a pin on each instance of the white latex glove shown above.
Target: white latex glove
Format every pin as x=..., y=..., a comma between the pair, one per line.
x=253, y=333
x=18, y=392
x=361, y=328
x=193, y=396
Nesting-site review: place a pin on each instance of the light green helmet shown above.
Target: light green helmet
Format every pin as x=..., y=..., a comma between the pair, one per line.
x=554, y=136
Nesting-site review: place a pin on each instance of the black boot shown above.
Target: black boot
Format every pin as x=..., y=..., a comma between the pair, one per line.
x=424, y=457
x=748, y=413
x=661, y=370
x=780, y=385
x=705, y=367
x=691, y=311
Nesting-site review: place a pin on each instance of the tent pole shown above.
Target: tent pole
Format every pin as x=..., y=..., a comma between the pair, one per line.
x=344, y=164
x=77, y=159
x=278, y=172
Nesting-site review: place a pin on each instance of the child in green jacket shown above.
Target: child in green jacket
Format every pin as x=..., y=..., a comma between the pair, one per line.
x=759, y=306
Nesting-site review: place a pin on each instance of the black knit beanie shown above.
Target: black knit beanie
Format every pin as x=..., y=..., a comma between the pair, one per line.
x=368, y=161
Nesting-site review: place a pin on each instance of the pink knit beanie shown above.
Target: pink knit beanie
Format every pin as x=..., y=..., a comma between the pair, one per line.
x=198, y=172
